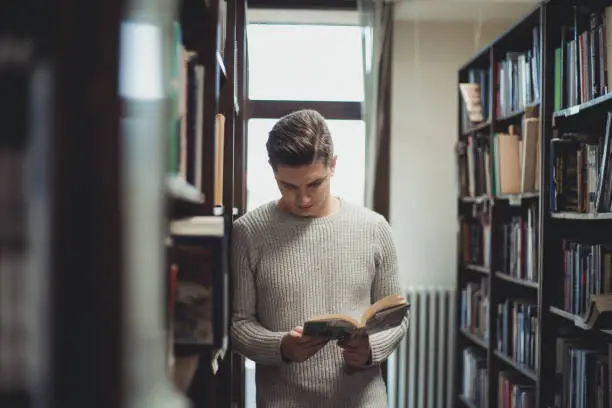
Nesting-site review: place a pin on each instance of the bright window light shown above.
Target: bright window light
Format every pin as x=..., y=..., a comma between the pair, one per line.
x=305, y=62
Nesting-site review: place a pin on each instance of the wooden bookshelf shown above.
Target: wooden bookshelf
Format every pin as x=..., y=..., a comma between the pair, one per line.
x=97, y=128
x=207, y=155
x=565, y=224
x=507, y=209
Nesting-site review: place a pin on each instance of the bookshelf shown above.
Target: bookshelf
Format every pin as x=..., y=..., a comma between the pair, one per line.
x=113, y=117
x=207, y=170
x=533, y=239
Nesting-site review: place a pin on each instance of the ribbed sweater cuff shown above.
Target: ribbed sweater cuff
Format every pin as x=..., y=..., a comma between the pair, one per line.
x=261, y=346
x=383, y=343
x=271, y=349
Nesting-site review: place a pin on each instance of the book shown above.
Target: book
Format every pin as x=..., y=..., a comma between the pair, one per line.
x=385, y=314
x=598, y=314
x=471, y=95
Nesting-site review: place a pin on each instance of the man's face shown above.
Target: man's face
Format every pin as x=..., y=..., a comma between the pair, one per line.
x=305, y=189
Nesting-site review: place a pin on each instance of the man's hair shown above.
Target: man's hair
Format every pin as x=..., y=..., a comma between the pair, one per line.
x=299, y=139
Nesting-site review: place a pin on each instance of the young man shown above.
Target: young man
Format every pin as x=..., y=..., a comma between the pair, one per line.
x=308, y=254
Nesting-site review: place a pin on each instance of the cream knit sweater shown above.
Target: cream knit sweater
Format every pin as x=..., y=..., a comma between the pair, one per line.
x=287, y=269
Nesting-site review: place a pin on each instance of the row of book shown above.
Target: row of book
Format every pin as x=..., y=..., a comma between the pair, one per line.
x=584, y=374
x=583, y=378
x=186, y=145
x=509, y=163
x=581, y=171
x=518, y=78
x=517, y=85
x=514, y=392
x=475, y=308
x=186, y=89
x=582, y=58
x=517, y=331
x=474, y=385
x=587, y=271
x=519, y=245
x=518, y=242
x=473, y=162
x=474, y=239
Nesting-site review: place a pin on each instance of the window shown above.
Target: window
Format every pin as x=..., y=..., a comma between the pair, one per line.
x=349, y=146
x=305, y=62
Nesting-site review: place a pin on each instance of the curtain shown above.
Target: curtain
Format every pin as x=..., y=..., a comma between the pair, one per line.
x=376, y=19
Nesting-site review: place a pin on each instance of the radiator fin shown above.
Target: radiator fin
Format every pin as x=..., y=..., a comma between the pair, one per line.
x=420, y=371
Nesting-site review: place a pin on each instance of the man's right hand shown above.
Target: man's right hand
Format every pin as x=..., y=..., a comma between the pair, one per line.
x=298, y=348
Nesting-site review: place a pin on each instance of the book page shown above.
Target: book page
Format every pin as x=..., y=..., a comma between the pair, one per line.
x=384, y=303
x=387, y=318
x=346, y=318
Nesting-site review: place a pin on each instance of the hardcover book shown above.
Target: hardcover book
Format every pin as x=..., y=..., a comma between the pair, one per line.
x=385, y=314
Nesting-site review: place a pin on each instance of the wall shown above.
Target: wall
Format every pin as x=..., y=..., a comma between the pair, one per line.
x=426, y=58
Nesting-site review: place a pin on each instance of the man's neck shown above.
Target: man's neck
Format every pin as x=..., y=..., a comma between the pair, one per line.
x=331, y=206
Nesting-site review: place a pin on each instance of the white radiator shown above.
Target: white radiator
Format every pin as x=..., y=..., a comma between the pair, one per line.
x=420, y=371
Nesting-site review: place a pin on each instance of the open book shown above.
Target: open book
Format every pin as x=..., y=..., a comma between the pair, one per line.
x=385, y=314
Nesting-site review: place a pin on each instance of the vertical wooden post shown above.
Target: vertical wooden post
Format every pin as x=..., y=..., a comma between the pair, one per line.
x=86, y=244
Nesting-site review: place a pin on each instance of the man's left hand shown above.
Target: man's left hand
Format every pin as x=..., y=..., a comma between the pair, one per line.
x=357, y=351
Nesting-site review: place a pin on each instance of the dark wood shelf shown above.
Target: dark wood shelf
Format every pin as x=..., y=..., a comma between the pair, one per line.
x=478, y=268
x=526, y=371
x=517, y=281
x=473, y=200
x=581, y=216
x=477, y=128
x=513, y=199
x=474, y=338
x=519, y=198
x=516, y=114
x=184, y=209
x=597, y=103
x=182, y=199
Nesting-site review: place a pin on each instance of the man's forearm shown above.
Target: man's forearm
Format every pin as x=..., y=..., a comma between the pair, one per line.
x=257, y=343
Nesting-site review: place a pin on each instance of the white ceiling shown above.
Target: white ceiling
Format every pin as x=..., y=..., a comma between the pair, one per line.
x=463, y=10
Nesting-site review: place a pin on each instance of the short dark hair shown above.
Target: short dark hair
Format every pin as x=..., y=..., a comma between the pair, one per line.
x=299, y=139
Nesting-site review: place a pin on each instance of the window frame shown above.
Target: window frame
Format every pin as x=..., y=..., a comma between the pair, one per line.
x=271, y=109
x=304, y=4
